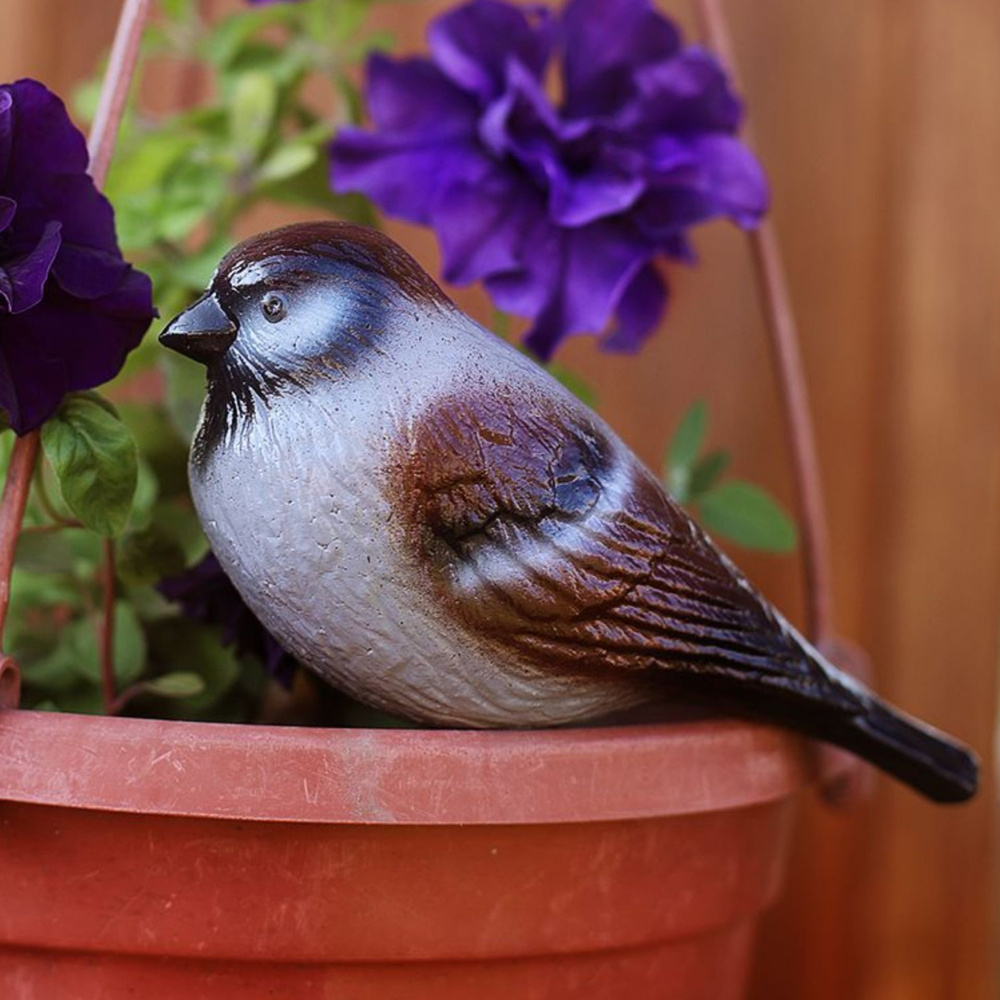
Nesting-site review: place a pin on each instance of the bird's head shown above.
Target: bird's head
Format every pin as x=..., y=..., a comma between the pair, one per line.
x=299, y=299
x=297, y=305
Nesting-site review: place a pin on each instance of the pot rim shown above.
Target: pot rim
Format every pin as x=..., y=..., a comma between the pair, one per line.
x=394, y=776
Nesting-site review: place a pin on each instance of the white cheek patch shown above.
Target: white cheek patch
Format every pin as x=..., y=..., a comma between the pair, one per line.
x=314, y=318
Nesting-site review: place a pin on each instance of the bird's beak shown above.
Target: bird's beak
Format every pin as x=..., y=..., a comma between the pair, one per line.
x=202, y=332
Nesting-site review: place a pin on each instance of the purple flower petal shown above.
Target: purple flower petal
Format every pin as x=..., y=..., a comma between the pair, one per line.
x=610, y=185
x=424, y=140
x=22, y=279
x=725, y=179
x=559, y=210
x=70, y=306
x=483, y=225
x=733, y=177
x=521, y=120
x=598, y=263
x=412, y=97
x=6, y=129
x=605, y=41
x=639, y=311
x=65, y=344
x=465, y=44
x=688, y=93
x=90, y=264
x=8, y=208
x=529, y=288
x=402, y=177
x=45, y=141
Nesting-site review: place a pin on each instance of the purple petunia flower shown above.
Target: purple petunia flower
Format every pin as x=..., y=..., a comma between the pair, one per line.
x=70, y=307
x=560, y=210
x=206, y=595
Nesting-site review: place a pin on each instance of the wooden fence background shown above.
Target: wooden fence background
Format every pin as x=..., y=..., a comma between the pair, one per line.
x=879, y=123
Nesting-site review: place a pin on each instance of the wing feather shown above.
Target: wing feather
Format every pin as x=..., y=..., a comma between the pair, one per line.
x=547, y=536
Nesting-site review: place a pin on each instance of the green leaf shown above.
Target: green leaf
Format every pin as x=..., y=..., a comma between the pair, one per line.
x=179, y=518
x=287, y=162
x=348, y=18
x=45, y=553
x=354, y=103
x=57, y=671
x=85, y=100
x=284, y=65
x=706, y=472
x=232, y=34
x=147, y=492
x=312, y=190
x=148, y=555
x=501, y=324
x=160, y=445
x=688, y=437
x=179, y=10
x=128, y=645
x=177, y=220
x=95, y=461
x=31, y=592
x=376, y=41
x=748, y=515
x=98, y=400
x=252, y=110
x=199, y=649
x=195, y=270
x=185, y=391
x=146, y=165
x=180, y=684
x=84, y=699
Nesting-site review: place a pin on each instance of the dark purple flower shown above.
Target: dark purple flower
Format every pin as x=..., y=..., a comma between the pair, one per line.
x=560, y=210
x=206, y=595
x=70, y=307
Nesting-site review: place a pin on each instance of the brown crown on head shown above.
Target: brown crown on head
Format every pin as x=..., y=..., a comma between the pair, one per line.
x=357, y=246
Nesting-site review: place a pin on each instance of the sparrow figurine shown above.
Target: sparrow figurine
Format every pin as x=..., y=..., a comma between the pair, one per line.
x=429, y=521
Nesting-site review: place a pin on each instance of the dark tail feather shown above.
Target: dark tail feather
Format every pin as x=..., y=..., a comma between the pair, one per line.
x=924, y=758
x=857, y=720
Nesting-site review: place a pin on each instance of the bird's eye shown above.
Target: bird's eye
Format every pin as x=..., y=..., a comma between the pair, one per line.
x=274, y=307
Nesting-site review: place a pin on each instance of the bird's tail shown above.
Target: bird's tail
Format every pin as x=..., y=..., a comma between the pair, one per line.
x=853, y=717
x=927, y=760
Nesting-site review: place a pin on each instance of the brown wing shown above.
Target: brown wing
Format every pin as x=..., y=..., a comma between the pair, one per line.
x=550, y=538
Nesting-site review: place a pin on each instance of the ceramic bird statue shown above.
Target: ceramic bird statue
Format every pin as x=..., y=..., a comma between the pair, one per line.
x=428, y=520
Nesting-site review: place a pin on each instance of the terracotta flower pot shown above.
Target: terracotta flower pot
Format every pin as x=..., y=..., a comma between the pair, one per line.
x=182, y=860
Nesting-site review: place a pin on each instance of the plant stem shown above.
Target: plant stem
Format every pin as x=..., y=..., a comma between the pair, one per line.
x=51, y=529
x=15, y=499
x=791, y=378
x=107, y=643
x=114, y=92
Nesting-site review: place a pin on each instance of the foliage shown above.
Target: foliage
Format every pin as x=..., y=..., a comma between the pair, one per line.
x=733, y=508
